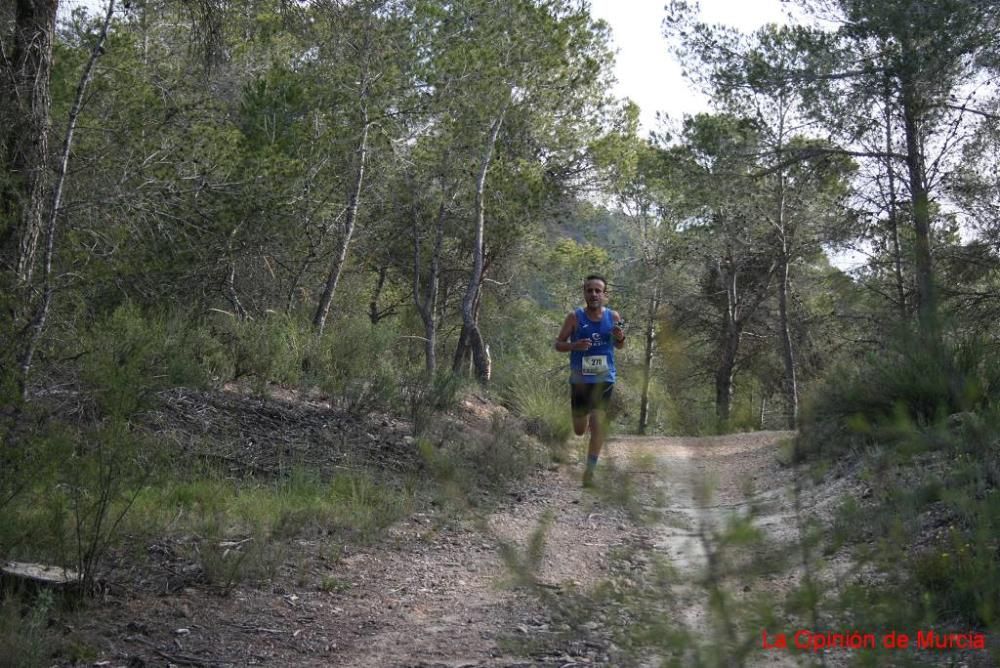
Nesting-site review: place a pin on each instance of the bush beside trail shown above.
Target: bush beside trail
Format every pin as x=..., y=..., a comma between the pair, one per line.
x=919, y=426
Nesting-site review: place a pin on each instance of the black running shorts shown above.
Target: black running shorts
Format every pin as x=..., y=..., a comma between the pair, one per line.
x=587, y=397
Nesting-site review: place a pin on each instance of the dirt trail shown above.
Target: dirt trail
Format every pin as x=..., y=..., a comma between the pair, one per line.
x=704, y=480
x=439, y=602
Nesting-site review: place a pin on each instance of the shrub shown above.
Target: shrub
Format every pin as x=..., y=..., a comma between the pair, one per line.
x=354, y=360
x=271, y=349
x=131, y=354
x=24, y=635
x=924, y=423
x=427, y=397
x=359, y=363
x=543, y=404
x=909, y=386
x=71, y=508
x=470, y=467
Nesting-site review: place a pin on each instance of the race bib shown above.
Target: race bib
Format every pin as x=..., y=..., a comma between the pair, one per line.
x=595, y=364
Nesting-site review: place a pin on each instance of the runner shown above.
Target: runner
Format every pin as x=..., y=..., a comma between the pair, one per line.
x=591, y=334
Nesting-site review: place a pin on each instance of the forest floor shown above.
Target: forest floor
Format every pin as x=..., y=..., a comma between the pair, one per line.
x=541, y=578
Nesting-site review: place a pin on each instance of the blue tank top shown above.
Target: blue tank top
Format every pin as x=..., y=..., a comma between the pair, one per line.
x=596, y=365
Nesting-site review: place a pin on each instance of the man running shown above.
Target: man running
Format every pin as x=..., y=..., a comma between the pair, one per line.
x=590, y=335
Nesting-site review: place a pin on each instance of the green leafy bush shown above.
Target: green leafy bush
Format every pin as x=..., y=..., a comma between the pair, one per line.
x=471, y=467
x=354, y=361
x=130, y=354
x=428, y=397
x=922, y=423
x=908, y=386
x=70, y=512
x=359, y=363
x=271, y=349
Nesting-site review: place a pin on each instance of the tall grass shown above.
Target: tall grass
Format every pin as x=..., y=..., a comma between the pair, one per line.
x=543, y=403
x=25, y=639
x=238, y=531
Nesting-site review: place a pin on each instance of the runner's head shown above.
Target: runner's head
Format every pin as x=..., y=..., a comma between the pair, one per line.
x=595, y=291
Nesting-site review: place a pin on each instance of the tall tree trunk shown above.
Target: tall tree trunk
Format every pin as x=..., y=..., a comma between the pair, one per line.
x=323, y=308
x=897, y=254
x=788, y=351
x=927, y=303
x=231, y=292
x=374, y=315
x=463, y=361
x=725, y=372
x=28, y=91
x=730, y=344
x=37, y=325
x=737, y=314
x=462, y=356
x=647, y=358
x=791, y=387
x=785, y=232
x=430, y=346
x=427, y=306
x=470, y=326
x=314, y=250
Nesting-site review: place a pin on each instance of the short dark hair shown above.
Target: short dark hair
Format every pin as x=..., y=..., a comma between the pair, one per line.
x=596, y=277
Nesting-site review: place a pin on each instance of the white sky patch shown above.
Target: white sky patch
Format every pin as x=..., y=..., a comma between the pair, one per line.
x=646, y=70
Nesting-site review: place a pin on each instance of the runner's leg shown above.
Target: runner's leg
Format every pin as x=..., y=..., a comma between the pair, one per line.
x=598, y=418
x=579, y=406
x=598, y=431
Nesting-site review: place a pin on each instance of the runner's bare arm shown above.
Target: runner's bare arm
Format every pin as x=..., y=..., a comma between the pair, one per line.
x=618, y=333
x=563, y=343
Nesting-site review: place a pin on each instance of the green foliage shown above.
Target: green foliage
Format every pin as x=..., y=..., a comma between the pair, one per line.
x=429, y=397
x=354, y=361
x=25, y=636
x=241, y=530
x=361, y=364
x=301, y=503
x=530, y=377
x=542, y=401
x=470, y=468
x=935, y=550
x=76, y=487
x=225, y=562
x=960, y=572
x=445, y=390
x=130, y=354
x=907, y=387
x=272, y=349
x=573, y=261
x=99, y=482
x=924, y=423
x=207, y=185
